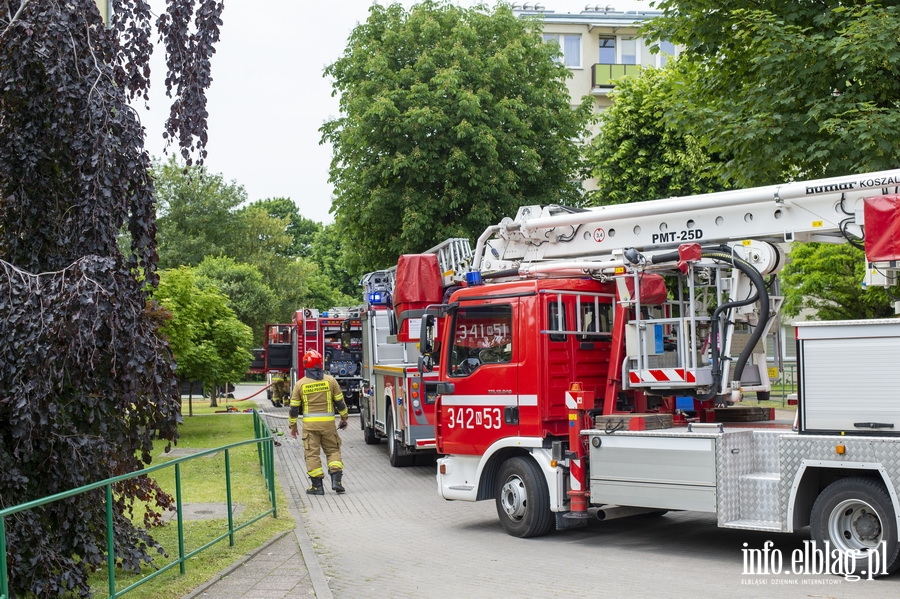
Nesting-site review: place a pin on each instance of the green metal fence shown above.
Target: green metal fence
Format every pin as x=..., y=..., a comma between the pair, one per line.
x=264, y=442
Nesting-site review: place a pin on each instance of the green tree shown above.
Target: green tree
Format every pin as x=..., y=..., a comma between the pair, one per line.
x=85, y=379
x=259, y=237
x=791, y=90
x=209, y=342
x=253, y=301
x=201, y=216
x=331, y=260
x=301, y=230
x=450, y=117
x=827, y=279
x=196, y=213
x=639, y=154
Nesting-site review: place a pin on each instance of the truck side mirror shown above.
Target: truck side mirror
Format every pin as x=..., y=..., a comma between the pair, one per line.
x=426, y=343
x=428, y=330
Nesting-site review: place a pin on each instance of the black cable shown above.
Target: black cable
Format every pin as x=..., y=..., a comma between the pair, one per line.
x=761, y=295
x=726, y=254
x=613, y=427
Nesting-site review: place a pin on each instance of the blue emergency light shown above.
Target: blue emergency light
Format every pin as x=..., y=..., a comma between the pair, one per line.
x=473, y=278
x=377, y=299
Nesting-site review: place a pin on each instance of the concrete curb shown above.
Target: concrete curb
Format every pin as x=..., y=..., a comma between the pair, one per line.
x=316, y=574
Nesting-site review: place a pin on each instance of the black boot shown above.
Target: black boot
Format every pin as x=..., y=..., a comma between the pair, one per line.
x=316, y=487
x=336, y=482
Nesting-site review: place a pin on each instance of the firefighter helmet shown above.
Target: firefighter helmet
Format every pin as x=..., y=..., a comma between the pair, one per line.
x=312, y=359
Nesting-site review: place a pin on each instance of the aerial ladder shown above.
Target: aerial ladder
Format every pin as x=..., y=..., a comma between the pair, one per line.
x=719, y=252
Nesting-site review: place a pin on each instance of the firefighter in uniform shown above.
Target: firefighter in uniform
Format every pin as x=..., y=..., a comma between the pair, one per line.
x=316, y=396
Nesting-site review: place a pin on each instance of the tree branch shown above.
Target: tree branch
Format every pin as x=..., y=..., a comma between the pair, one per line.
x=15, y=17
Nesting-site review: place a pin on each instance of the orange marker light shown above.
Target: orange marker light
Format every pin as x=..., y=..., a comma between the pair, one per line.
x=840, y=449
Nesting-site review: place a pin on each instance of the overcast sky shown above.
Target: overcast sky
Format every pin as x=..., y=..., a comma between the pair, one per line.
x=269, y=96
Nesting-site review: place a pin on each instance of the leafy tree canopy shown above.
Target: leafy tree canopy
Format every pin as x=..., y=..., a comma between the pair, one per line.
x=333, y=264
x=253, y=301
x=301, y=229
x=202, y=216
x=209, y=342
x=790, y=88
x=639, y=153
x=450, y=117
x=793, y=90
x=196, y=213
x=85, y=379
x=828, y=279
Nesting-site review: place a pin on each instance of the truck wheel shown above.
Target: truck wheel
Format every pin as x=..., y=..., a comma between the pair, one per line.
x=856, y=514
x=369, y=435
x=523, y=500
x=394, y=450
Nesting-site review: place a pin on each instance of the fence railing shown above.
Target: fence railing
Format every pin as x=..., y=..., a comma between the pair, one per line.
x=264, y=442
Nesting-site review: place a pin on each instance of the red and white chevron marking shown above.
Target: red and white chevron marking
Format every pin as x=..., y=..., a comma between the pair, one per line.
x=662, y=375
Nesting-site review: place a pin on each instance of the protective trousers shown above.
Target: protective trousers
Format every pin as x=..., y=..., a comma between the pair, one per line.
x=316, y=440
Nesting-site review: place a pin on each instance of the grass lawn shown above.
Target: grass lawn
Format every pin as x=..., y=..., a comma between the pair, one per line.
x=203, y=481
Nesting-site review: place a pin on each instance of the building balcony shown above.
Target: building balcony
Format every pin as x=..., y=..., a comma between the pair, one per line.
x=603, y=76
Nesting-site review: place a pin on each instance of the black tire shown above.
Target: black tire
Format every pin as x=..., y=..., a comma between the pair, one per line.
x=857, y=514
x=523, y=499
x=395, y=452
x=369, y=435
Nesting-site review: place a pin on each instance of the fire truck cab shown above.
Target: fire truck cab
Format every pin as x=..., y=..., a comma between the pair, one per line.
x=560, y=361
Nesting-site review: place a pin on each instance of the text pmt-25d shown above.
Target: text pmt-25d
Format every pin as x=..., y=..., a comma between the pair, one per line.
x=584, y=368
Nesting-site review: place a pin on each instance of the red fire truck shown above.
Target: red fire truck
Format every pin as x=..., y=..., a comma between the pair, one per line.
x=398, y=400
x=561, y=362
x=336, y=334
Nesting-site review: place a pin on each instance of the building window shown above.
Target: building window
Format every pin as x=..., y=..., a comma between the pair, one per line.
x=666, y=51
x=570, y=45
x=629, y=51
x=607, y=50
x=658, y=53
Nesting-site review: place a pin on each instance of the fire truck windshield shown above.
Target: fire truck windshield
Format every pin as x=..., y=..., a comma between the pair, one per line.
x=481, y=335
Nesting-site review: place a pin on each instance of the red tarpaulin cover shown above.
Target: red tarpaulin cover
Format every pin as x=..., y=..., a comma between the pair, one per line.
x=882, y=216
x=652, y=287
x=418, y=280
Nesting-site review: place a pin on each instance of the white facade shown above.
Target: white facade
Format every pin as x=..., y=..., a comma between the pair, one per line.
x=600, y=46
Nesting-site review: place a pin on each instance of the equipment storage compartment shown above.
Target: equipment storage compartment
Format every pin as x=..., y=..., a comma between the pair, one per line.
x=673, y=471
x=849, y=377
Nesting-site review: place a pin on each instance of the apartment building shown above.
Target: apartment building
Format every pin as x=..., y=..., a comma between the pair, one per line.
x=599, y=44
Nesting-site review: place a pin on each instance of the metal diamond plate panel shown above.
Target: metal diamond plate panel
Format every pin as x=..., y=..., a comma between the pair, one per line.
x=756, y=469
x=808, y=451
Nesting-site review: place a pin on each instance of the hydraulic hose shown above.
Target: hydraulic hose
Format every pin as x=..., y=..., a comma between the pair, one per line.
x=724, y=254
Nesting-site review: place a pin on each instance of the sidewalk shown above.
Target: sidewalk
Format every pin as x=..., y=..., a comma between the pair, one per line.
x=287, y=566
